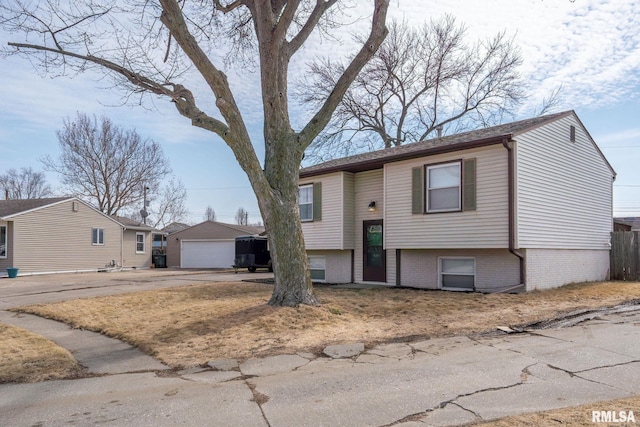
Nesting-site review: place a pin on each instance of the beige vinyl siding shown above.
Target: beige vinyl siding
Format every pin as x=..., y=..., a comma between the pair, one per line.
x=329, y=232
x=55, y=238
x=129, y=256
x=368, y=186
x=485, y=227
x=349, y=206
x=564, y=196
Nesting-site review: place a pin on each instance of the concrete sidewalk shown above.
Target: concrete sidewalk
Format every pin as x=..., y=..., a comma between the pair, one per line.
x=447, y=381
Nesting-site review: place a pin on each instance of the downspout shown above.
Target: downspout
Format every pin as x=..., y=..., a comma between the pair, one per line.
x=507, y=143
x=122, y=247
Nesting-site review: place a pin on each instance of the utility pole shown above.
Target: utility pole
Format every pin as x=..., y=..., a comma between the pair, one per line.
x=144, y=212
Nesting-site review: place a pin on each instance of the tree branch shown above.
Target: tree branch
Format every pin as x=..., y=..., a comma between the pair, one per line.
x=369, y=48
x=319, y=10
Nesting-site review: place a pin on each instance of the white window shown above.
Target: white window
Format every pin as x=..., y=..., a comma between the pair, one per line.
x=305, y=200
x=140, y=243
x=317, y=265
x=97, y=236
x=3, y=241
x=457, y=273
x=444, y=188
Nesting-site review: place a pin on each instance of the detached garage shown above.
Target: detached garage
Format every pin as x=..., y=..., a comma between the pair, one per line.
x=209, y=244
x=207, y=253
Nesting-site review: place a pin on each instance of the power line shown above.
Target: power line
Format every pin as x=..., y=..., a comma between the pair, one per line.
x=217, y=188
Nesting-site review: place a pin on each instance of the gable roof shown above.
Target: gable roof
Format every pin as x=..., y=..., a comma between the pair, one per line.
x=462, y=141
x=14, y=207
x=9, y=208
x=244, y=229
x=175, y=226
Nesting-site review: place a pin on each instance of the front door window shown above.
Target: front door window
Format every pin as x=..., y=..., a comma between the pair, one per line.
x=374, y=262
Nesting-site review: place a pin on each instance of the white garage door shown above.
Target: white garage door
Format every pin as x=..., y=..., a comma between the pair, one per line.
x=207, y=254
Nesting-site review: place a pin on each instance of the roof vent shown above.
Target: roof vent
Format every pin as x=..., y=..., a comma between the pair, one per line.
x=572, y=133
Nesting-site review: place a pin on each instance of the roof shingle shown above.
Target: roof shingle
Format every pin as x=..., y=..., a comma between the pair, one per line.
x=475, y=138
x=12, y=207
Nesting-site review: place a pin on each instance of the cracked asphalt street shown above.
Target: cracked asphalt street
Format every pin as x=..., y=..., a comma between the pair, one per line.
x=448, y=381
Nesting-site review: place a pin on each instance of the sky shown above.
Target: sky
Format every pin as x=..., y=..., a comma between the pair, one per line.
x=591, y=48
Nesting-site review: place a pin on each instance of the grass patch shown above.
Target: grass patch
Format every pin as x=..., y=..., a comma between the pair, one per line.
x=27, y=357
x=192, y=325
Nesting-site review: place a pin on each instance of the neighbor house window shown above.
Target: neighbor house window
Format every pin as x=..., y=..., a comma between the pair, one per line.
x=139, y=243
x=444, y=187
x=457, y=273
x=97, y=236
x=317, y=265
x=3, y=241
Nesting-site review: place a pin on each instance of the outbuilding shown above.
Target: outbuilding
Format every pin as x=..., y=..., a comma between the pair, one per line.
x=210, y=244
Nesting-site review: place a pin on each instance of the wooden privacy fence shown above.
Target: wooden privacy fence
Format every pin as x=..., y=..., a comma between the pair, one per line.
x=625, y=255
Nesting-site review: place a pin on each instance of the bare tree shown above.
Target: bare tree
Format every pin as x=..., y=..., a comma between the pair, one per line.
x=107, y=165
x=169, y=206
x=242, y=216
x=419, y=81
x=209, y=214
x=25, y=184
x=146, y=45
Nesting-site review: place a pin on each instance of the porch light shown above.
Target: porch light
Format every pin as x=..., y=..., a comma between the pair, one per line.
x=372, y=206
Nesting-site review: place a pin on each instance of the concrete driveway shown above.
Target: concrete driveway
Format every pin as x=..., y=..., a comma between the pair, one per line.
x=45, y=288
x=447, y=381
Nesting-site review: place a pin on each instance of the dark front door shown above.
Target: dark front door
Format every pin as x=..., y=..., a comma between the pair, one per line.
x=374, y=259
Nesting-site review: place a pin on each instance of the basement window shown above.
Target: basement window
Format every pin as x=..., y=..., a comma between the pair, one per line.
x=457, y=273
x=318, y=265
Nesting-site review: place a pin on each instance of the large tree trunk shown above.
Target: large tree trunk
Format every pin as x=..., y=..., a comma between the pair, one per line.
x=291, y=266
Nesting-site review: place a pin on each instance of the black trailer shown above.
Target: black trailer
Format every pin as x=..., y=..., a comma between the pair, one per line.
x=252, y=252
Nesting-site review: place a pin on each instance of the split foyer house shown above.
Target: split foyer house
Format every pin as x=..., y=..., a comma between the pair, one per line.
x=67, y=235
x=524, y=205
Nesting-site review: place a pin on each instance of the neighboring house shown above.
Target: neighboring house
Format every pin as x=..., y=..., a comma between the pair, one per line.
x=66, y=235
x=175, y=226
x=626, y=224
x=521, y=205
x=160, y=237
x=137, y=242
x=209, y=244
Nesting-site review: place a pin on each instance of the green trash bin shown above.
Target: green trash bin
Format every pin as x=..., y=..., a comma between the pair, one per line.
x=160, y=260
x=12, y=272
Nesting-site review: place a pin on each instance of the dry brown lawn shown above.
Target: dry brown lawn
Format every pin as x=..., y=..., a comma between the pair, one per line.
x=27, y=357
x=192, y=325
x=574, y=416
